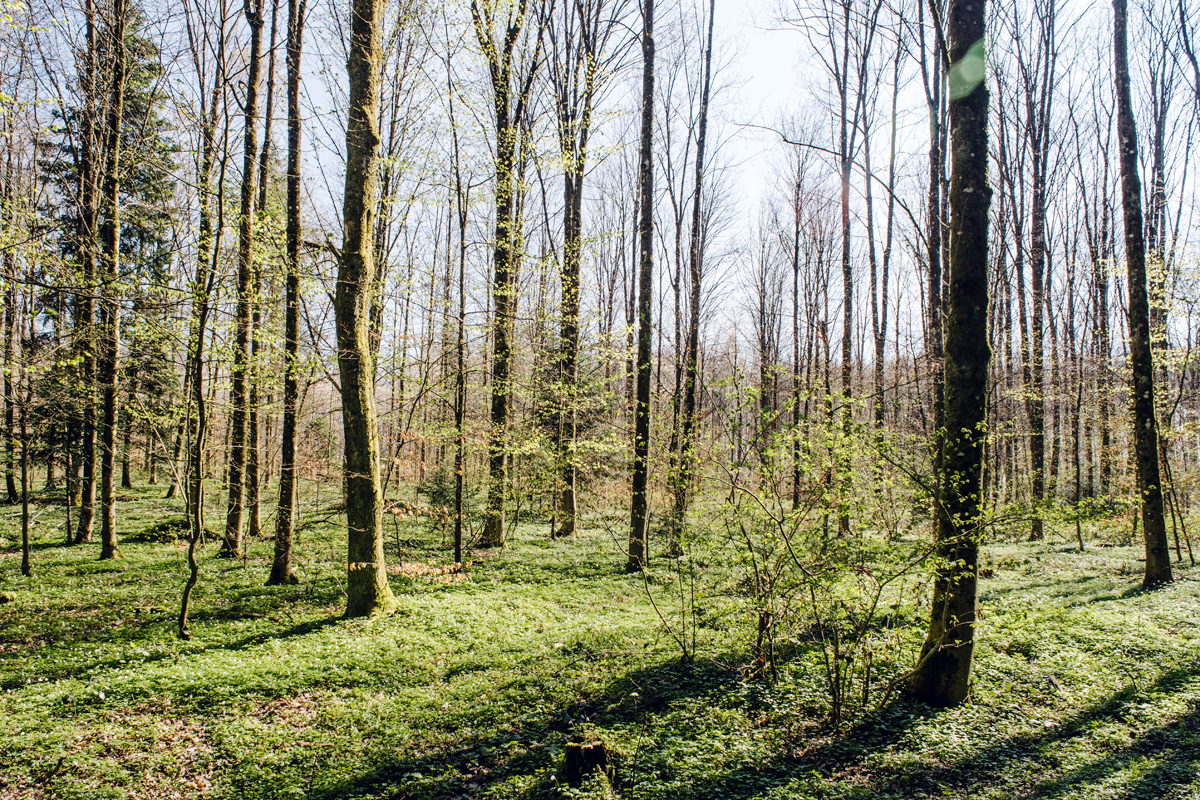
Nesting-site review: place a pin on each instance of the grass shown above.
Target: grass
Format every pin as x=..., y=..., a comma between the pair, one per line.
x=1084, y=686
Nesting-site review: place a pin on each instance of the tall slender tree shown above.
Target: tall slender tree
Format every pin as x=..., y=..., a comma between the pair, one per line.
x=639, y=508
x=943, y=672
x=578, y=37
x=367, y=589
x=110, y=296
x=511, y=72
x=231, y=546
x=281, y=564
x=687, y=467
x=85, y=312
x=204, y=280
x=1145, y=426
x=253, y=428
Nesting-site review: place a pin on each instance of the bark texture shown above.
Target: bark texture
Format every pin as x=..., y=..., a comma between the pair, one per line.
x=367, y=590
x=281, y=564
x=238, y=395
x=638, y=549
x=942, y=676
x=1145, y=428
x=110, y=303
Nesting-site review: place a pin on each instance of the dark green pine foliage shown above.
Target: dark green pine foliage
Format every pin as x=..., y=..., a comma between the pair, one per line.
x=147, y=194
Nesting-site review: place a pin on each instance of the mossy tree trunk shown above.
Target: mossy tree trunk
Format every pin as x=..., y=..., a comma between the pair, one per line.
x=367, y=590
x=110, y=303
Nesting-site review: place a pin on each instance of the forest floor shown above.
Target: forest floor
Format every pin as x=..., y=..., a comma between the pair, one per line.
x=1084, y=685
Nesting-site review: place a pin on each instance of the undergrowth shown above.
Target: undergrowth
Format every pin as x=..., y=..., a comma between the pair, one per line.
x=1084, y=686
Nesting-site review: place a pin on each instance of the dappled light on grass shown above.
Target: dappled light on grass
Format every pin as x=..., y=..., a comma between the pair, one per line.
x=474, y=688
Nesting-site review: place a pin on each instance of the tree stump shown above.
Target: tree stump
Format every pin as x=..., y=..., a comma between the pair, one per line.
x=581, y=759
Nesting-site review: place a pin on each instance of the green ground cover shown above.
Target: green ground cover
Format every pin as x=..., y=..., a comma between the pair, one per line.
x=1084, y=686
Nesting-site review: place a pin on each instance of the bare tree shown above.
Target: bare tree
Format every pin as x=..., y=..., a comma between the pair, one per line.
x=1031, y=104
x=687, y=468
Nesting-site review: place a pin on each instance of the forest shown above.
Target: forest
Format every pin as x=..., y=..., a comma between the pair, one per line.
x=599, y=399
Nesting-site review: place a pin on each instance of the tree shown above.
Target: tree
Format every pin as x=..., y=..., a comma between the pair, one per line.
x=932, y=79
x=578, y=41
x=1145, y=427
x=639, y=508
x=943, y=672
x=367, y=589
x=843, y=35
x=687, y=468
x=281, y=564
x=110, y=302
x=231, y=546
x=511, y=81
x=203, y=281
x=253, y=429
x=88, y=203
x=1035, y=60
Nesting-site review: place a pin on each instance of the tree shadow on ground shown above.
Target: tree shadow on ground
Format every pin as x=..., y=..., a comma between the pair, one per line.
x=1010, y=757
x=1021, y=760
x=469, y=765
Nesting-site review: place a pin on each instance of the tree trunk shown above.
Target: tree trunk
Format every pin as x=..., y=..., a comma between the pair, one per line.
x=281, y=564
x=573, y=141
x=253, y=431
x=10, y=314
x=110, y=308
x=367, y=590
x=1145, y=429
x=879, y=296
x=1036, y=402
x=932, y=77
x=85, y=314
x=687, y=461
x=231, y=546
x=208, y=248
x=943, y=672
x=638, y=549
x=26, y=566
x=127, y=417
x=508, y=102
x=462, y=202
